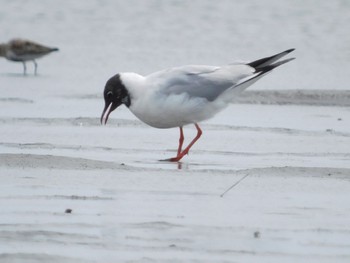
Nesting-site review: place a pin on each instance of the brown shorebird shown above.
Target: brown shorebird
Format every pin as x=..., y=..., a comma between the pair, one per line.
x=21, y=50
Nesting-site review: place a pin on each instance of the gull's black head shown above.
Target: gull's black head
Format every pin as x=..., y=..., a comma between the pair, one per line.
x=115, y=94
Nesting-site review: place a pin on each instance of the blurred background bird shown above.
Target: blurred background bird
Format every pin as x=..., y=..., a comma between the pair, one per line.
x=21, y=50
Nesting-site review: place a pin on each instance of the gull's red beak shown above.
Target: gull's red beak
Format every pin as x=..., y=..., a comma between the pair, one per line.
x=105, y=114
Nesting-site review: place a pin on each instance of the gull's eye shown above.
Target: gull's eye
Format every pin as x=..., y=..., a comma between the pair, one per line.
x=109, y=94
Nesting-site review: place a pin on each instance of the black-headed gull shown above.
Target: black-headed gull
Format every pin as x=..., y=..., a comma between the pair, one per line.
x=20, y=50
x=183, y=95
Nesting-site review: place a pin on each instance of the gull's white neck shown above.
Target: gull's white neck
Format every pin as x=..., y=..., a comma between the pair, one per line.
x=141, y=97
x=134, y=83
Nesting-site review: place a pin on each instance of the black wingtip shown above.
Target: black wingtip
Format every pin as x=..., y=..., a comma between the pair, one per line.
x=289, y=50
x=270, y=67
x=263, y=62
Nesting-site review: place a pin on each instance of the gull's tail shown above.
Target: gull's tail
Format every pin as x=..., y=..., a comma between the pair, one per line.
x=264, y=62
x=262, y=66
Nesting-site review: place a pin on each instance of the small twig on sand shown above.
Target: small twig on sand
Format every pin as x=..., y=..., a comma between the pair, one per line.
x=236, y=183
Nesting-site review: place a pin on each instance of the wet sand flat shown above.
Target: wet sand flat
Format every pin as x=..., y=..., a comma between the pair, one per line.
x=73, y=191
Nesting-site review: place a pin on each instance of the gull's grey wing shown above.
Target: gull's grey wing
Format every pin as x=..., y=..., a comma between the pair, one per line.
x=200, y=81
x=209, y=82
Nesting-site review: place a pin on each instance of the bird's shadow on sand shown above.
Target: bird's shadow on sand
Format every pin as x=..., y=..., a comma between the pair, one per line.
x=178, y=165
x=167, y=164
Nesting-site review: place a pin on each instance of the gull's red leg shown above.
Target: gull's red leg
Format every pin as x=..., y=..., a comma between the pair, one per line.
x=181, y=141
x=184, y=152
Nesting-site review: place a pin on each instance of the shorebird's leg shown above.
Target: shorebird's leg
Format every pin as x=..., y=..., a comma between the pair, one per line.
x=35, y=66
x=184, y=152
x=181, y=141
x=24, y=68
